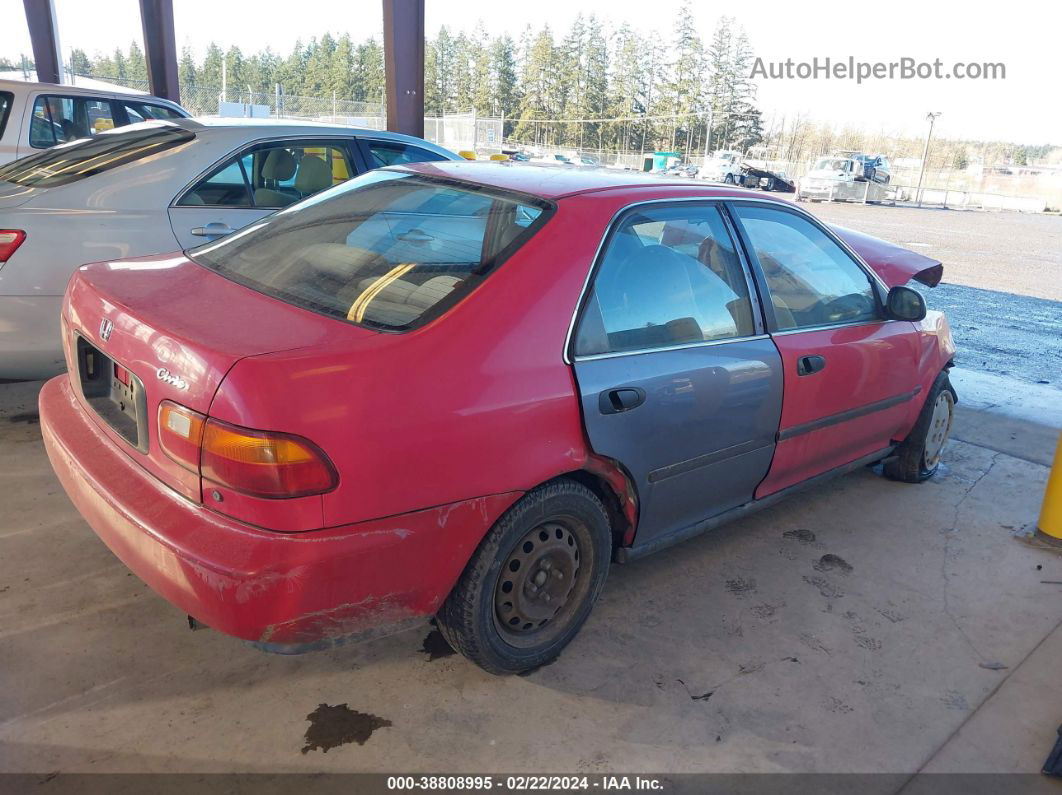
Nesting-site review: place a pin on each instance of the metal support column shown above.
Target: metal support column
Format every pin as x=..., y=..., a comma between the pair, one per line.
x=160, y=48
x=404, y=65
x=44, y=36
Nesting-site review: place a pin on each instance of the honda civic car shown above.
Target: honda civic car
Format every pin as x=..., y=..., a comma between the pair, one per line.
x=461, y=390
x=153, y=187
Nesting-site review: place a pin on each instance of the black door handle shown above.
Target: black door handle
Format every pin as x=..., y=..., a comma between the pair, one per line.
x=806, y=365
x=620, y=399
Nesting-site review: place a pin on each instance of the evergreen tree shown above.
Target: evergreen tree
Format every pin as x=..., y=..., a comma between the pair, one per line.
x=79, y=63
x=187, y=73
x=538, y=81
x=136, y=64
x=505, y=89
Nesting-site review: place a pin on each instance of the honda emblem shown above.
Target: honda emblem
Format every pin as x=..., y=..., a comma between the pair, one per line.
x=106, y=327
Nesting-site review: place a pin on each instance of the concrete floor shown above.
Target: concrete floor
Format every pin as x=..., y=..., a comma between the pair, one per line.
x=862, y=626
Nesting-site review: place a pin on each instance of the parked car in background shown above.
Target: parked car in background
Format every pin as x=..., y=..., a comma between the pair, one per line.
x=462, y=389
x=843, y=177
x=35, y=116
x=723, y=166
x=155, y=187
x=875, y=167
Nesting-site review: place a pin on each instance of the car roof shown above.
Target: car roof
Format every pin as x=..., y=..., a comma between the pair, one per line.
x=20, y=86
x=556, y=182
x=238, y=125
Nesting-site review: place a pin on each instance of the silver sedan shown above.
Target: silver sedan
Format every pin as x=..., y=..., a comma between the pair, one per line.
x=151, y=188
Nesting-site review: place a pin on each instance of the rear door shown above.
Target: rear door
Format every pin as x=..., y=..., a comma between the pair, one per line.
x=849, y=373
x=256, y=182
x=677, y=381
x=56, y=119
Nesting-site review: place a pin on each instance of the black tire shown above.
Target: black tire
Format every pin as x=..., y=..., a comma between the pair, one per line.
x=471, y=618
x=728, y=179
x=912, y=461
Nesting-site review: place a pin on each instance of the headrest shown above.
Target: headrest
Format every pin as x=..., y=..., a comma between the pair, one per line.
x=314, y=175
x=279, y=165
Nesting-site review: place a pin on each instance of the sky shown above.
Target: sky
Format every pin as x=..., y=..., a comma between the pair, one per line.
x=1023, y=108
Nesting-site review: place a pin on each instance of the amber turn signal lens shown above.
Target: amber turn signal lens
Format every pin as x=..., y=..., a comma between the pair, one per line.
x=180, y=433
x=264, y=463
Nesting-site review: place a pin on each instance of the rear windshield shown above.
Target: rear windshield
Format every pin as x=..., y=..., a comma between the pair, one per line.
x=76, y=160
x=388, y=250
x=6, y=98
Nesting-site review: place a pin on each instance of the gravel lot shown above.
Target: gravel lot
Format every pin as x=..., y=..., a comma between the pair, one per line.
x=1002, y=288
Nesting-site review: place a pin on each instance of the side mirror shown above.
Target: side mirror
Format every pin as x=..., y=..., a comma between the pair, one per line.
x=903, y=303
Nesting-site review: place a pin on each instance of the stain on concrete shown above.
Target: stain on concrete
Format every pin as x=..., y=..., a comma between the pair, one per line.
x=435, y=646
x=993, y=666
x=741, y=587
x=765, y=610
x=803, y=535
x=953, y=699
x=826, y=588
x=833, y=563
x=868, y=643
x=836, y=705
x=893, y=616
x=733, y=628
x=693, y=696
x=813, y=643
x=334, y=725
x=28, y=417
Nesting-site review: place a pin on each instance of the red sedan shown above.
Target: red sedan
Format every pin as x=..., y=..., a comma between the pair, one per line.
x=461, y=390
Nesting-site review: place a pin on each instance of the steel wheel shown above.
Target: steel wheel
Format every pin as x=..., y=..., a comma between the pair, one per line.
x=939, y=428
x=554, y=542
x=537, y=584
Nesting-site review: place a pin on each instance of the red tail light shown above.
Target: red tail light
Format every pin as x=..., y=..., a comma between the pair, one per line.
x=10, y=240
x=180, y=432
x=264, y=464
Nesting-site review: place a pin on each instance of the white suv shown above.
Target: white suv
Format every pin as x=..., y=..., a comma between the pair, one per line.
x=35, y=116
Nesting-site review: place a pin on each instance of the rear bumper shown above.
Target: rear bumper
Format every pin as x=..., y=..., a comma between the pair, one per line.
x=283, y=590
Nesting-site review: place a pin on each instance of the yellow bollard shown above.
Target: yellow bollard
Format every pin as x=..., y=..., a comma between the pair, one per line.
x=1049, y=527
x=467, y=154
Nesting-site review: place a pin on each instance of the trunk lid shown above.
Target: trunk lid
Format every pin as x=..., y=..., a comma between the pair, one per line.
x=177, y=328
x=894, y=264
x=12, y=195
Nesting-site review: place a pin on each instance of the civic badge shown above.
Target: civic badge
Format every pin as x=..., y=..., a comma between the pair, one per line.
x=106, y=327
x=172, y=379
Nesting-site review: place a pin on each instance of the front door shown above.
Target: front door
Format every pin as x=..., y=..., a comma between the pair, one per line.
x=849, y=373
x=677, y=382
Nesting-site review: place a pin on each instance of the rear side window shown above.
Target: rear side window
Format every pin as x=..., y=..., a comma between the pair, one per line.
x=395, y=153
x=387, y=250
x=58, y=120
x=6, y=98
x=669, y=276
x=72, y=162
x=145, y=111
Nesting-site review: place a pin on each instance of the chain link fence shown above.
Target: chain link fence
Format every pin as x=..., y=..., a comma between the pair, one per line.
x=455, y=131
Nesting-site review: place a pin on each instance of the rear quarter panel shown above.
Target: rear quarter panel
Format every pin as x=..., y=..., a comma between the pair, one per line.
x=477, y=402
